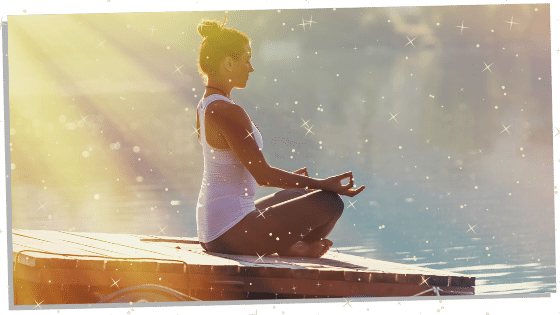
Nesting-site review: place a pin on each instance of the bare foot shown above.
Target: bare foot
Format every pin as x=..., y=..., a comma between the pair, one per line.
x=304, y=249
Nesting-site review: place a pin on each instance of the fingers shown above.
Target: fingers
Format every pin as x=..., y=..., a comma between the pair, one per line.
x=353, y=192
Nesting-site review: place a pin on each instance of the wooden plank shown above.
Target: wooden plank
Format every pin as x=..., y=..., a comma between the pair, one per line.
x=63, y=241
x=180, y=282
x=346, y=265
x=333, y=266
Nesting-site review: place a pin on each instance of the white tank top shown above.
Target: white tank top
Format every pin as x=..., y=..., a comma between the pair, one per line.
x=227, y=190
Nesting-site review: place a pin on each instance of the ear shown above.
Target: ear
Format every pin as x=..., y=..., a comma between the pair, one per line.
x=227, y=64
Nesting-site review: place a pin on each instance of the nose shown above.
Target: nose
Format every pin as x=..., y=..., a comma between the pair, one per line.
x=251, y=69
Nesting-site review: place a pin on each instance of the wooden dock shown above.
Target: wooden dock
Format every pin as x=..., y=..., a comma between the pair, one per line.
x=60, y=267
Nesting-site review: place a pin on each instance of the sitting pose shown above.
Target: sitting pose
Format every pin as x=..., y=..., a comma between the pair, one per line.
x=292, y=222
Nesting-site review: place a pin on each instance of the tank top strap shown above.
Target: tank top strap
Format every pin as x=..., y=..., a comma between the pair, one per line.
x=214, y=97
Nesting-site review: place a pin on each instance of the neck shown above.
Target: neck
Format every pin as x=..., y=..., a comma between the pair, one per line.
x=219, y=87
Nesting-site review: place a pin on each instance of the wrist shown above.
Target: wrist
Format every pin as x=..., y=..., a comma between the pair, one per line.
x=320, y=184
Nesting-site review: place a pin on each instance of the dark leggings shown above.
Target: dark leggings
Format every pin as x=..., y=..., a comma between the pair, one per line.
x=281, y=220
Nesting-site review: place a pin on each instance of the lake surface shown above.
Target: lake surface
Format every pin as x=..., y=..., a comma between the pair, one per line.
x=452, y=136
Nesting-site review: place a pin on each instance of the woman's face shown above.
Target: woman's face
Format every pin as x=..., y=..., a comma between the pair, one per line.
x=242, y=68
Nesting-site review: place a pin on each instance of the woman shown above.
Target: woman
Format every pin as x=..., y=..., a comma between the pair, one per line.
x=291, y=222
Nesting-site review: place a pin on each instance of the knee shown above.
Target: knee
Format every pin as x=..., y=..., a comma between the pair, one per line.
x=334, y=202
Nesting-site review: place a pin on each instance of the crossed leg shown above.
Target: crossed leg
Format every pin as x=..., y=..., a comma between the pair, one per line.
x=290, y=222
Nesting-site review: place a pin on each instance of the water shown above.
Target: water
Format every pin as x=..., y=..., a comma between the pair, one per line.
x=457, y=160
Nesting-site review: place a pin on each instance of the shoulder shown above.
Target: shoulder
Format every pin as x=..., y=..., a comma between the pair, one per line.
x=224, y=108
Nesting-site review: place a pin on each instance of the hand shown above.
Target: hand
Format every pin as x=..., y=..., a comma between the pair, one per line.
x=302, y=171
x=334, y=184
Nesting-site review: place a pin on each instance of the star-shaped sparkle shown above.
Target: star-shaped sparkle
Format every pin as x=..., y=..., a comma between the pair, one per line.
x=506, y=129
x=309, y=130
x=393, y=117
x=410, y=41
x=153, y=29
x=195, y=130
x=347, y=303
x=178, y=69
x=511, y=23
x=38, y=304
x=471, y=228
x=303, y=23
x=101, y=43
x=115, y=282
x=261, y=214
x=304, y=123
x=310, y=21
x=260, y=257
x=249, y=134
x=351, y=204
x=488, y=67
x=462, y=27
x=42, y=206
x=162, y=230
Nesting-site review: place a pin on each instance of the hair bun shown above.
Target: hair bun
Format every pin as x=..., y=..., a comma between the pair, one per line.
x=209, y=28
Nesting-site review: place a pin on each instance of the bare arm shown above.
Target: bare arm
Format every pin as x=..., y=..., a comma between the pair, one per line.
x=234, y=125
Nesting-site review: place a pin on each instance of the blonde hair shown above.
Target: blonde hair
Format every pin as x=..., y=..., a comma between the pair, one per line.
x=218, y=43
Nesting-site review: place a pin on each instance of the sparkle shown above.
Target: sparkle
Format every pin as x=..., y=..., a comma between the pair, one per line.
x=195, y=130
x=428, y=141
x=393, y=117
x=162, y=230
x=101, y=43
x=462, y=89
x=351, y=204
x=310, y=21
x=261, y=213
x=487, y=67
x=462, y=27
x=558, y=132
x=42, y=206
x=410, y=41
x=309, y=130
x=39, y=303
x=318, y=284
x=511, y=23
x=471, y=228
x=115, y=282
x=178, y=69
x=249, y=134
x=506, y=129
x=305, y=122
x=303, y=24
x=260, y=257
x=347, y=303
x=425, y=281
x=256, y=107
x=83, y=119
x=153, y=29
x=355, y=48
